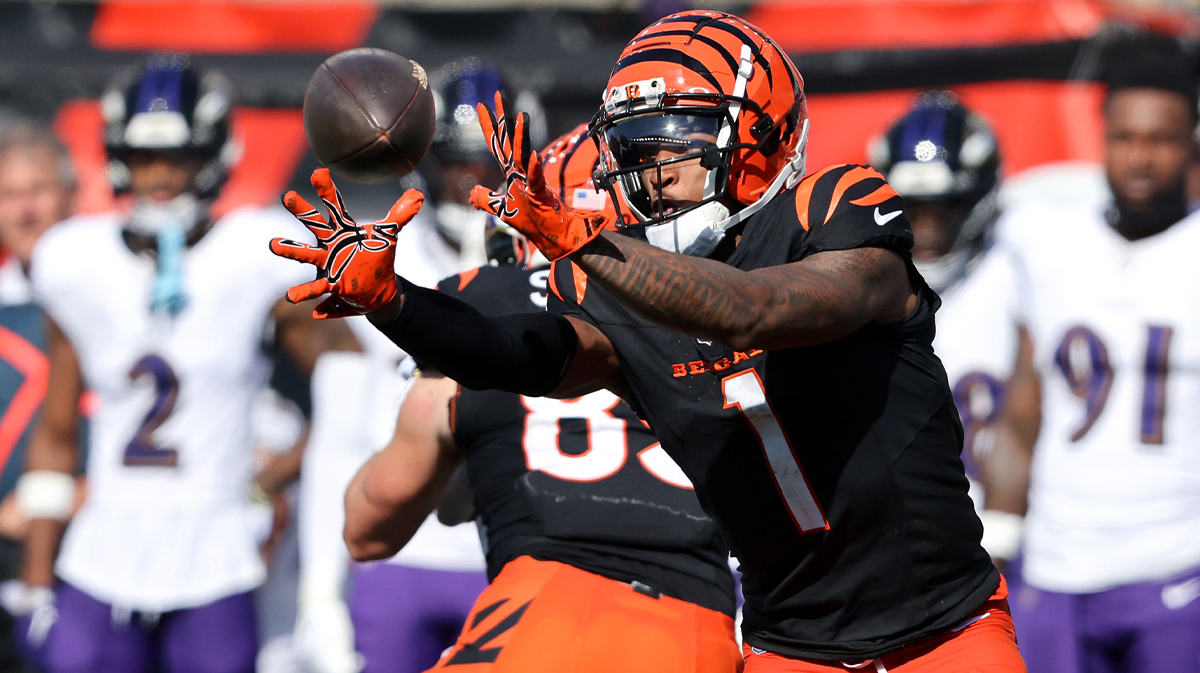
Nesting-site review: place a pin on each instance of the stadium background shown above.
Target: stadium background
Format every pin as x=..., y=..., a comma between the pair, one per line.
x=1028, y=65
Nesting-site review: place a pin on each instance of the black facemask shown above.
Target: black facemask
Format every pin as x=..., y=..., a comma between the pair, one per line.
x=1167, y=209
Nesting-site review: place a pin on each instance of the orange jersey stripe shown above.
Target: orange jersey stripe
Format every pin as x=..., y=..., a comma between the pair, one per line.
x=881, y=194
x=804, y=194
x=849, y=178
x=465, y=278
x=581, y=281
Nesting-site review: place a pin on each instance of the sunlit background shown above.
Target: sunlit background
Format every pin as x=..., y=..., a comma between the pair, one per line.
x=1028, y=65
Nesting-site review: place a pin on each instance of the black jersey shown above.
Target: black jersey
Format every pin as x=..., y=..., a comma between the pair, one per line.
x=580, y=481
x=833, y=470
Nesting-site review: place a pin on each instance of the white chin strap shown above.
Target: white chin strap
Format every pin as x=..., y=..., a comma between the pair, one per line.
x=698, y=232
x=693, y=233
x=151, y=217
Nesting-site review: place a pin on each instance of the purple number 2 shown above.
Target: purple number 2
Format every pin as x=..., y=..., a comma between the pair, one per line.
x=141, y=450
x=1083, y=360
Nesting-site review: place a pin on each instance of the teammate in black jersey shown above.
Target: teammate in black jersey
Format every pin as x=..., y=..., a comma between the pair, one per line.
x=784, y=359
x=599, y=554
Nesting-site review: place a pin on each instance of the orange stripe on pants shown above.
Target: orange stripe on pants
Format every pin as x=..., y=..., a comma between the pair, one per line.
x=986, y=645
x=548, y=616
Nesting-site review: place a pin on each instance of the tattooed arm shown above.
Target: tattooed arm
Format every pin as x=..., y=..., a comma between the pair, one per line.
x=816, y=300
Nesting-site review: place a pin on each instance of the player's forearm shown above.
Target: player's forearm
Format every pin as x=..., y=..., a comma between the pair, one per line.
x=51, y=452
x=526, y=353
x=776, y=307
x=304, y=339
x=382, y=517
x=1006, y=474
x=282, y=470
x=1006, y=468
x=41, y=551
x=361, y=531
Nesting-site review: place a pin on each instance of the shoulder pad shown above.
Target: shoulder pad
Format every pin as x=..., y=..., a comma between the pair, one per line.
x=840, y=188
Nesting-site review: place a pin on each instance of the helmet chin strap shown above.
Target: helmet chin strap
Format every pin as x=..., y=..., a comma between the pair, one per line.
x=791, y=174
x=700, y=231
x=692, y=233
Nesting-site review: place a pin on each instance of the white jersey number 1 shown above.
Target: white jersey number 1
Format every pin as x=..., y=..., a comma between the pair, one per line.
x=745, y=391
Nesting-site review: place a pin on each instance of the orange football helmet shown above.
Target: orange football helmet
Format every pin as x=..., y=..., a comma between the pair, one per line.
x=568, y=164
x=702, y=86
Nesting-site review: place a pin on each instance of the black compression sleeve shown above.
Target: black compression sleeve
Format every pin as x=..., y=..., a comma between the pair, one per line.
x=526, y=353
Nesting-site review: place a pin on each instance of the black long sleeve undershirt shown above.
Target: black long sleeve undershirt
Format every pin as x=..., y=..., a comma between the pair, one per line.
x=525, y=353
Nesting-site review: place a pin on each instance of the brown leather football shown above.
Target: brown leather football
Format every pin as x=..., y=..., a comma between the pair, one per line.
x=369, y=114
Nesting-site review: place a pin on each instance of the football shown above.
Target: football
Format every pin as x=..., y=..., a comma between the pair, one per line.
x=369, y=114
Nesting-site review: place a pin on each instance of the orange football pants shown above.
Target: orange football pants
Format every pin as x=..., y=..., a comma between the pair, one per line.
x=547, y=616
x=985, y=643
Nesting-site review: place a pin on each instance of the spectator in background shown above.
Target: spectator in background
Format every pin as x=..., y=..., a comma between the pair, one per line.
x=37, y=189
x=156, y=571
x=944, y=160
x=1111, y=563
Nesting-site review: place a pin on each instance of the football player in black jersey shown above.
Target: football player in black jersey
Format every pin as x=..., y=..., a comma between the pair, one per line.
x=599, y=554
x=771, y=329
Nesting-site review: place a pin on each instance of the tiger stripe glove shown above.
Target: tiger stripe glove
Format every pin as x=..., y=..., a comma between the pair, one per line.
x=525, y=203
x=354, y=262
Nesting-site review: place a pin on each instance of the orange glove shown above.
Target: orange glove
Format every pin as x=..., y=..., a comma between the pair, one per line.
x=525, y=203
x=354, y=262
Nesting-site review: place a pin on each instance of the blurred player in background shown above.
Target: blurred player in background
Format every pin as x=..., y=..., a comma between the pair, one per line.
x=944, y=160
x=37, y=190
x=599, y=554
x=407, y=610
x=459, y=158
x=156, y=571
x=280, y=434
x=1112, y=536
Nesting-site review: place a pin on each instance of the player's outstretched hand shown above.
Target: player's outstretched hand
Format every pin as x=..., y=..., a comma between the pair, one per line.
x=524, y=202
x=354, y=262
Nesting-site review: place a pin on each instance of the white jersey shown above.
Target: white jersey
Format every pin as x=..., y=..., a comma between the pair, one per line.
x=1070, y=183
x=977, y=343
x=1115, y=492
x=423, y=258
x=167, y=523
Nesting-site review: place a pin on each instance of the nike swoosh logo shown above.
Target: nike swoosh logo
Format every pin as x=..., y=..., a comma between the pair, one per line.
x=882, y=219
x=1178, y=595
